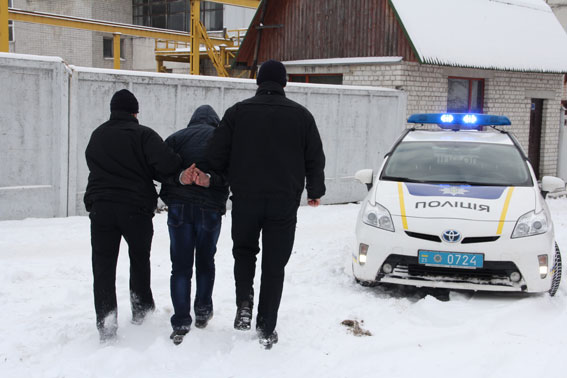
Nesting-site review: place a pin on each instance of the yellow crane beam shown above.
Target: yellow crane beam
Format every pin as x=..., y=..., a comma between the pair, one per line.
x=96, y=25
x=103, y=26
x=239, y=3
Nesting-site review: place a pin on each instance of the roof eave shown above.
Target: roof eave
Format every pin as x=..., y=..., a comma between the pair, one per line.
x=435, y=62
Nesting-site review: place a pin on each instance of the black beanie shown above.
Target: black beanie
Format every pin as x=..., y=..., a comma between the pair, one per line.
x=272, y=70
x=124, y=101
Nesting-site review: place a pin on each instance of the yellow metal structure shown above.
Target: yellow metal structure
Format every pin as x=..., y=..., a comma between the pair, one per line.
x=96, y=25
x=174, y=51
x=4, y=28
x=117, y=53
x=213, y=55
x=215, y=47
x=195, y=42
x=239, y=3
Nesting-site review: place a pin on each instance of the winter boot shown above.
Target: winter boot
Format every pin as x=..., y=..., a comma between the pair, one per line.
x=201, y=321
x=107, y=335
x=107, y=328
x=267, y=340
x=139, y=314
x=178, y=334
x=243, y=317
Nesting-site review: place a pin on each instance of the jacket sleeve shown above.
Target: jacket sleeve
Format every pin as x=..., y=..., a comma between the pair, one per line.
x=218, y=180
x=219, y=148
x=314, y=162
x=165, y=164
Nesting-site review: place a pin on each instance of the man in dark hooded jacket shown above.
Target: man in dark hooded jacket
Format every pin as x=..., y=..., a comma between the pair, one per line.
x=271, y=150
x=124, y=159
x=194, y=222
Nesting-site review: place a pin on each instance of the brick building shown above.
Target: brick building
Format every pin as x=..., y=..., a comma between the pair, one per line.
x=497, y=57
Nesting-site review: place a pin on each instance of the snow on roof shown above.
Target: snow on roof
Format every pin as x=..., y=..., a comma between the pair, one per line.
x=517, y=35
x=340, y=61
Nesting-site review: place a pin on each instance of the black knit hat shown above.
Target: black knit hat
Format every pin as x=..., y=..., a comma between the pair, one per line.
x=272, y=70
x=124, y=101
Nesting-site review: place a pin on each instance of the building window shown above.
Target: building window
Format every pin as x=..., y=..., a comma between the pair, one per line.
x=10, y=24
x=317, y=78
x=212, y=15
x=108, y=48
x=465, y=95
x=176, y=14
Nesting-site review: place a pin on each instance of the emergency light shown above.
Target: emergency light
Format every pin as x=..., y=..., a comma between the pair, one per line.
x=458, y=121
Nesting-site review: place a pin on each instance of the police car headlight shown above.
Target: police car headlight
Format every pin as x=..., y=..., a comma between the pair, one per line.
x=378, y=216
x=530, y=224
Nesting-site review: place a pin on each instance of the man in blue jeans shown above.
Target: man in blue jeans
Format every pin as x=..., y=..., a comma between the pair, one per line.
x=194, y=222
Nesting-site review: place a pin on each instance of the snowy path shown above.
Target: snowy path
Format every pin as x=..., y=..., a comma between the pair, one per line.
x=47, y=316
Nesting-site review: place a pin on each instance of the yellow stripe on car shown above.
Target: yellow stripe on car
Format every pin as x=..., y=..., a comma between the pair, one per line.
x=402, y=205
x=504, y=210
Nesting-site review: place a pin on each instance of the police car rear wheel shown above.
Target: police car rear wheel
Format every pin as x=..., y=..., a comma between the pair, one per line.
x=556, y=279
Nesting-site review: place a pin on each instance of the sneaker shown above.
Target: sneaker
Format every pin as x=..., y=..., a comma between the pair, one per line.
x=201, y=321
x=243, y=317
x=178, y=334
x=267, y=340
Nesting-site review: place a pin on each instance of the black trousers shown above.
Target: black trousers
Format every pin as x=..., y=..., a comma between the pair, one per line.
x=109, y=223
x=276, y=219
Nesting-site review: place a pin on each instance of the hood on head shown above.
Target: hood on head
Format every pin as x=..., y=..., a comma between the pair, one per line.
x=205, y=114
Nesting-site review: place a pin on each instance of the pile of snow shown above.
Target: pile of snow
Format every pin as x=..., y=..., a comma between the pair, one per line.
x=47, y=323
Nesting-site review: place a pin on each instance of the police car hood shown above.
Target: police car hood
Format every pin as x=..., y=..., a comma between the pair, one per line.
x=482, y=203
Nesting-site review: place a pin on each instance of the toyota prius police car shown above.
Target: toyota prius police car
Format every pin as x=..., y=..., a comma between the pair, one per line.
x=457, y=207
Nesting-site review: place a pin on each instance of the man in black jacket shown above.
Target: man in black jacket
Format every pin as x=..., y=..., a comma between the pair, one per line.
x=124, y=158
x=194, y=222
x=268, y=146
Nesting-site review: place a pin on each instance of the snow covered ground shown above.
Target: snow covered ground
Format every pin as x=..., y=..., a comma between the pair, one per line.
x=47, y=326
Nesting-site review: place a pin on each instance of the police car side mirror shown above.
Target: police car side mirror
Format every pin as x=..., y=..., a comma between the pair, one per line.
x=365, y=176
x=551, y=184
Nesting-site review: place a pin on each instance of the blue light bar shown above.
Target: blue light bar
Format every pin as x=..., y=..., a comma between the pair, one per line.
x=457, y=121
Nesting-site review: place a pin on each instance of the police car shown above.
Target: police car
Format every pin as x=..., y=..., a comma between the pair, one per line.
x=457, y=207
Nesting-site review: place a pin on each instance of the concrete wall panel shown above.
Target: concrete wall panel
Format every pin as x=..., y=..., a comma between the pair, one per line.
x=52, y=109
x=33, y=143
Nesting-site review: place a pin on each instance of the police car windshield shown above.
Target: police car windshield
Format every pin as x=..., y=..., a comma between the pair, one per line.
x=457, y=162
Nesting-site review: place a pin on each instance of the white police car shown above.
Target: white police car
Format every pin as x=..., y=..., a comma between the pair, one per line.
x=457, y=207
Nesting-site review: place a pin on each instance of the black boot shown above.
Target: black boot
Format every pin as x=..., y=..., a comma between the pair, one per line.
x=243, y=317
x=139, y=313
x=201, y=321
x=267, y=340
x=107, y=328
x=178, y=334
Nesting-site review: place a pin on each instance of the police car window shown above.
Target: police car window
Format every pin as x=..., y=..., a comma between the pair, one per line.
x=457, y=162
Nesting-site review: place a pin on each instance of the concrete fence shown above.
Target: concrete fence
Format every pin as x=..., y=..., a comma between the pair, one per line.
x=49, y=110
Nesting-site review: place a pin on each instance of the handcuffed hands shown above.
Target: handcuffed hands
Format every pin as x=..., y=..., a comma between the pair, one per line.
x=188, y=175
x=193, y=175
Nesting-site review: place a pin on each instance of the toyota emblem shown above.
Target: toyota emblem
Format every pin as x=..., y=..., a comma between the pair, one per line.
x=451, y=236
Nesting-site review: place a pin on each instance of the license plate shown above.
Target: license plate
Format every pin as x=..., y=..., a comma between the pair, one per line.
x=451, y=259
